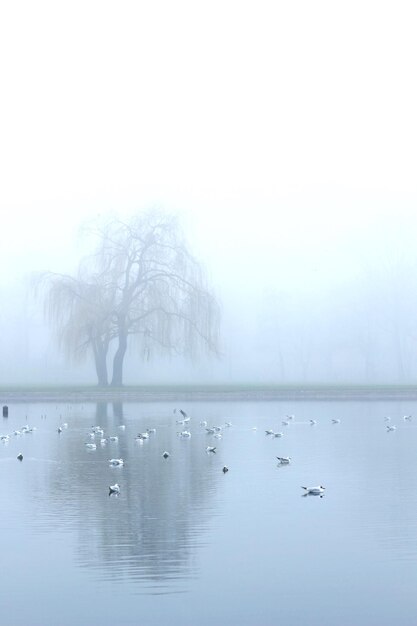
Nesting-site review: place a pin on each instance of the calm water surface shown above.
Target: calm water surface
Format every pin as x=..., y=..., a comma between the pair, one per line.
x=185, y=543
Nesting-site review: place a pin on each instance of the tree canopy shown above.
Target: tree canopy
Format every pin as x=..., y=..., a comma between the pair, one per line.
x=141, y=285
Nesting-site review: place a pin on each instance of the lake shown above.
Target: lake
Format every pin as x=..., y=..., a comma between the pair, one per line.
x=185, y=543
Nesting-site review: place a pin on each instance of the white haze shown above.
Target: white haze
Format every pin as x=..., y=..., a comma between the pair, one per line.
x=284, y=136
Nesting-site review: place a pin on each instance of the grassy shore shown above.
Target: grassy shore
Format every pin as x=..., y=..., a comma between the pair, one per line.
x=256, y=392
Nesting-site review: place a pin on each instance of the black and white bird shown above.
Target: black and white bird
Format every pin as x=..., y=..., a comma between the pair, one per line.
x=284, y=460
x=314, y=491
x=114, y=488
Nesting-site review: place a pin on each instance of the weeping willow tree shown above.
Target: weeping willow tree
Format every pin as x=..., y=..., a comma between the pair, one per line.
x=141, y=286
x=81, y=312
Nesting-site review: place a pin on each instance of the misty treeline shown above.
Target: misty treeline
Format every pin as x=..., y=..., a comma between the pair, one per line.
x=361, y=330
x=140, y=286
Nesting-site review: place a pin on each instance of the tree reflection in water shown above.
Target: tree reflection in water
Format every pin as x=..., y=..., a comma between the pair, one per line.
x=151, y=529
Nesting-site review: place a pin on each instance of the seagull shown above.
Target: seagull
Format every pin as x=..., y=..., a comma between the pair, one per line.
x=183, y=413
x=20, y=457
x=225, y=469
x=114, y=438
x=314, y=491
x=165, y=454
x=284, y=460
x=269, y=432
x=185, y=434
x=122, y=427
x=184, y=421
x=335, y=421
x=278, y=434
x=211, y=449
x=114, y=488
x=90, y=446
x=313, y=422
x=285, y=423
x=116, y=462
x=391, y=428
x=407, y=417
x=142, y=436
x=60, y=429
x=387, y=419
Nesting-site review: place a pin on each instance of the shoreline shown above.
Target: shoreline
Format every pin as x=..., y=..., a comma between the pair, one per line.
x=172, y=394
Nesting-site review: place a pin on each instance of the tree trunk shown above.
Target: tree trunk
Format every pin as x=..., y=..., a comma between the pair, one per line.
x=117, y=380
x=100, y=360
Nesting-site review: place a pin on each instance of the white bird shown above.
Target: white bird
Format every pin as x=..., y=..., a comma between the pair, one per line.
x=90, y=446
x=335, y=421
x=114, y=488
x=114, y=438
x=290, y=417
x=165, y=454
x=285, y=423
x=407, y=417
x=151, y=431
x=313, y=422
x=391, y=428
x=142, y=436
x=211, y=449
x=203, y=423
x=185, y=434
x=122, y=427
x=60, y=429
x=116, y=462
x=269, y=432
x=278, y=434
x=314, y=491
x=387, y=419
x=284, y=460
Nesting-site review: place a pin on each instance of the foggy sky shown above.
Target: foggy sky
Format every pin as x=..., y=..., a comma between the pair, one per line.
x=284, y=136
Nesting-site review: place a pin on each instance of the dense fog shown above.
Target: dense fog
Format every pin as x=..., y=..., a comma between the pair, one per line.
x=284, y=139
x=339, y=308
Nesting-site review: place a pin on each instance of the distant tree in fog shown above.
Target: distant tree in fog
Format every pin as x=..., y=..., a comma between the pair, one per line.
x=141, y=285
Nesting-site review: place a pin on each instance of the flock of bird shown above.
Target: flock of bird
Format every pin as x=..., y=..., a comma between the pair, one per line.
x=97, y=434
